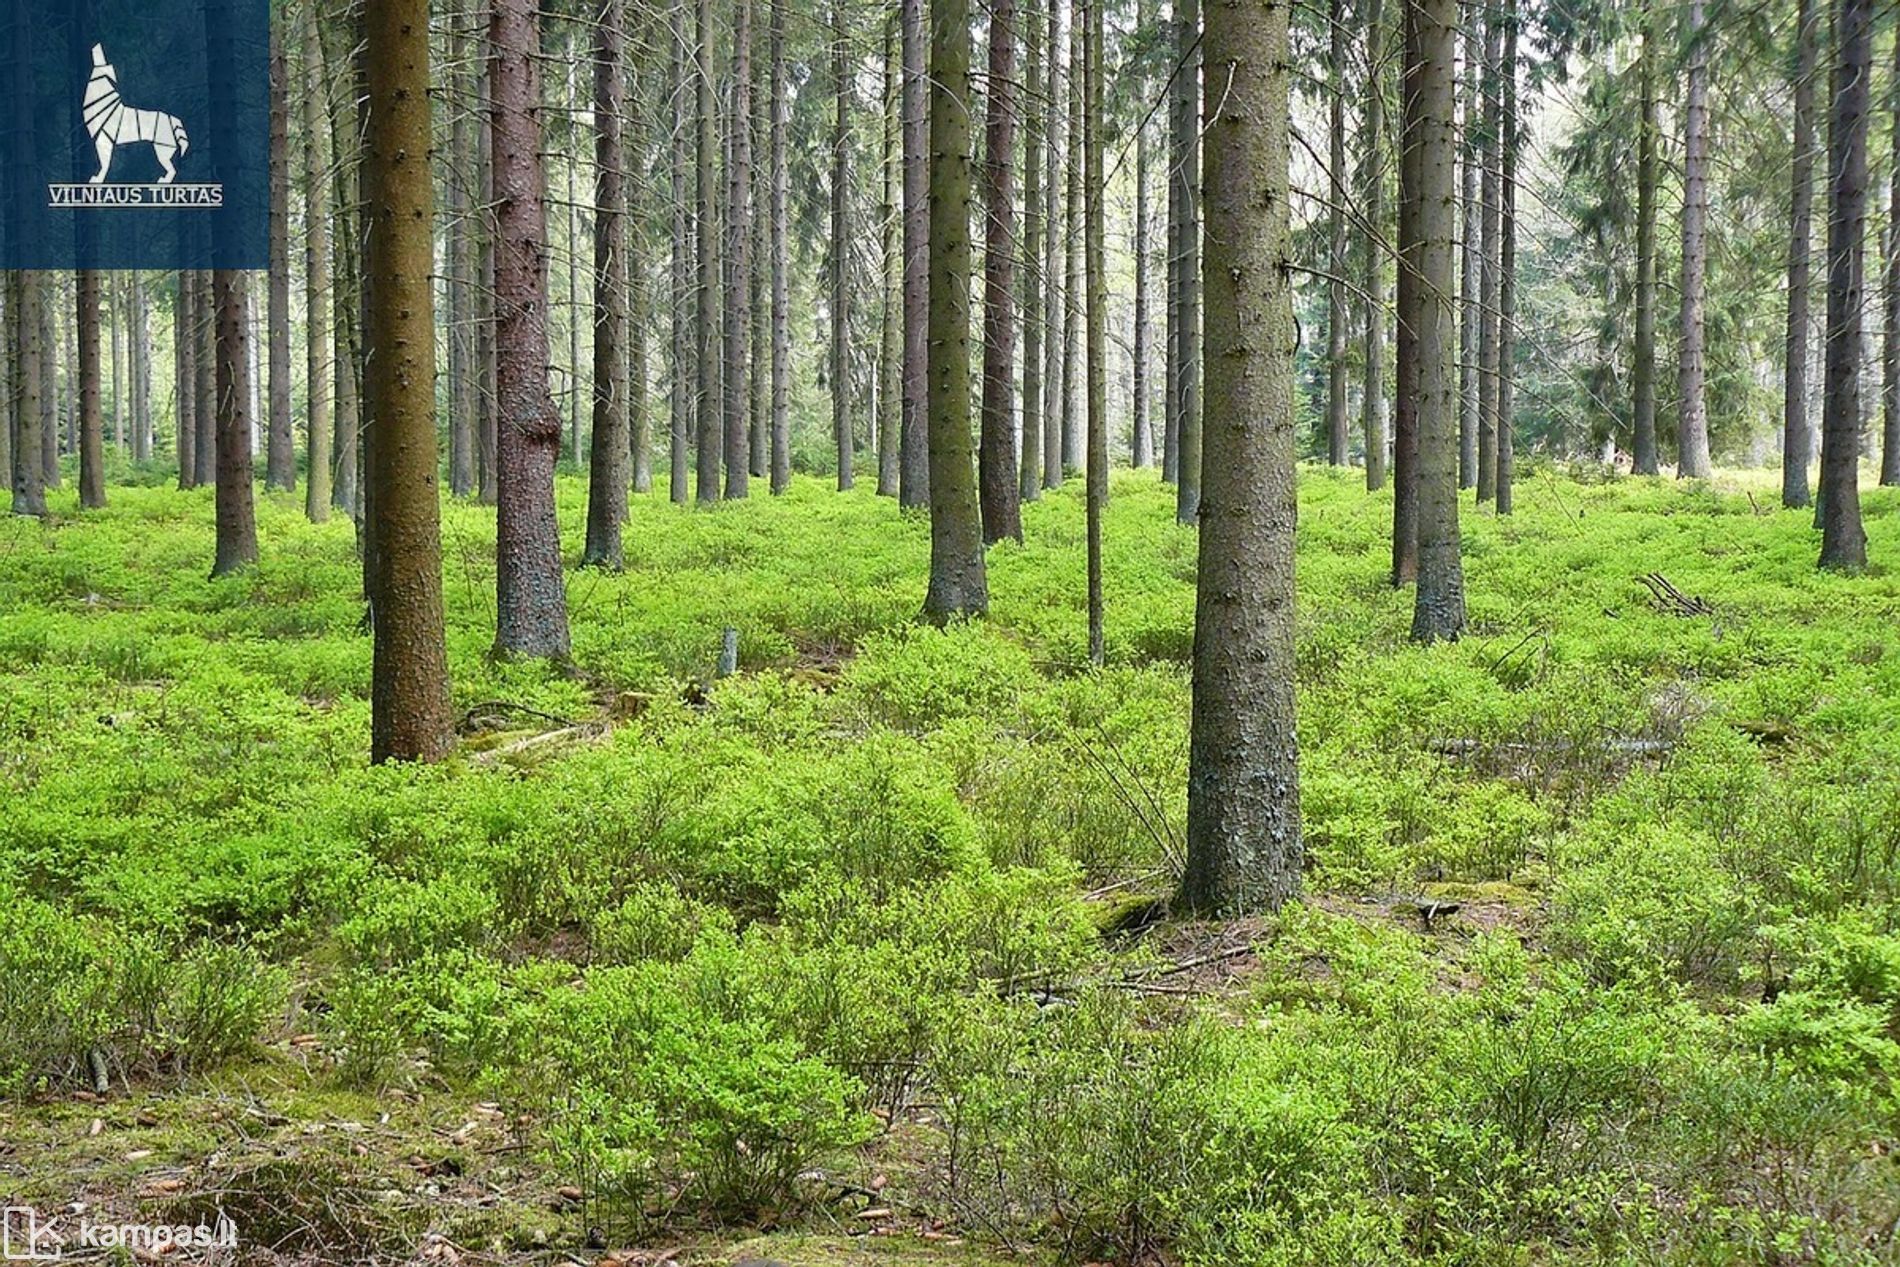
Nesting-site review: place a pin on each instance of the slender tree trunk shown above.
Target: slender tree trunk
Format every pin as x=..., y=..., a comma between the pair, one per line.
x=840, y=246
x=92, y=423
x=711, y=454
x=49, y=381
x=1410, y=301
x=185, y=388
x=236, y=516
x=204, y=323
x=781, y=279
x=319, y=357
x=409, y=681
x=1053, y=254
x=1797, y=434
x=1074, y=246
x=1431, y=79
x=571, y=167
x=959, y=584
x=456, y=183
x=1338, y=432
x=1187, y=256
x=1491, y=277
x=1890, y=348
x=1471, y=254
x=1095, y=272
x=759, y=301
x=29, y=477
x=141, y=370
x=638, y=287
x=280, y=465
x=1244, y=850
x=1372, y=199
x=9, y=371
x=607, y=462
x=1692, y=427
x=118, y=313
x=738, y=260
x=996, y=452
x=531, y=605
x=1843, y=541
x=1507, y=264
x=890, y=360
x=1648, y=179
x=1035, y=145
x=685, y=372
x=914, y=466
x=487, y=418
x=1143, y=444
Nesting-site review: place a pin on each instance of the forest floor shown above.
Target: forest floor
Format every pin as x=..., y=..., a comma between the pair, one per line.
x=860, y=956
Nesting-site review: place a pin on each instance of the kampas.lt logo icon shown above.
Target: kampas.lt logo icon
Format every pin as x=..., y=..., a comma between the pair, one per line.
x=111, y=123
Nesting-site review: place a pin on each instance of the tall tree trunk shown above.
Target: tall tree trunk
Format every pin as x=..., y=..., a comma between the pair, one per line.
x=531, y=605
x=9, y=371
x=1372, y=199
x=1692, y=426
x=914, y=467
x=959, y=584
x=1142, y=438
x=487, y=418
x=711, y=454
x=204, y=324
x=1797, y=438
x=781, y=279
x=49, y=381
x=319, y=358
x=91, y=423
x=1648, y=180
x=996, y=452
x=890, y=360
x=607, y=462
x=1053, y=254
x=1507, y=264
x=1409, y=301
x=571, y=166
x=1074, y=245
x=1035, y=145
x=840, y=247
x=759, y=367
x=185, y=389
x=1890, y=348
x=280, y=464
x=1843, y=541
x=409, y=680
x=236, y=516
x=1471, y=253
x=1095, y=271
x=1187, y=258
x=683, y=352
x=1430, y=92
x=638, y=284
x=1338, y=434
x=1490, y=275
x=738, y=260
x=29, y=478
x=347, y=274
x=117, y=313
x=141, y=370
x=1244, y=850
x=458, y=171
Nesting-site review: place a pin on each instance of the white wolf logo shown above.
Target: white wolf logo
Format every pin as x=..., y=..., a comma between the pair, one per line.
x=112, y=123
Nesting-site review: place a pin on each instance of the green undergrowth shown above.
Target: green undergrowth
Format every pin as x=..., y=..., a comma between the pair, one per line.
x=721, y=942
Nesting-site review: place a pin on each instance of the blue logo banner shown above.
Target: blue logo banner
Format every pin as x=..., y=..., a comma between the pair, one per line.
x=135, y=134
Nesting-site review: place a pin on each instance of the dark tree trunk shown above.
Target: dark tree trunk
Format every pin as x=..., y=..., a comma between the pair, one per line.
x=1053, y=254
x=1648, y=179
x=1843, y=541
x=1073, y=300
x=1186, y=240
x=1095, y=278
x=996, y=452
x=319, y=358
x=1035, y=147
x=1372, y=197
x=141, y=369
x=1507, y=264
x=487, y=417
x=913, y=476
x=1890, y=347
x=1692, y=427
x=204, y=324
x=1425, y=253
x=1409, y=300
x=49, y=380
x=1244, y=850
x=185, y=389
x=759, y=363
x=29, y=479
x=738, y=260
x=1797, y=439
x=1471, y=256
x=639, y=299
x=236, y=516
x=781, y=277
x=890, y=356
x=607, y=461
x=959, y=585
x=531, y=605
x=684, y=384
x=92, y=423
x=409, y=681
x=1490, y=276
x=280, y=463
x=1338, y=433
x=711, y=455
x=1142, y=433
x=459, y=171
x=839, y=250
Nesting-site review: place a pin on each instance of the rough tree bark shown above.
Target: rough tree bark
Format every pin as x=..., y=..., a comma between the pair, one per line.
x=1438, y=612
x=1890, y=348
x=1095, y=278
x=959, y=584
x=1797, y=437
x=236, y=516
x=1035, y=147
x=711, y=455
x=531, y=606
x=1052, y=256
x=1073, y=300
x=92, y=422
x=996, y=449
x=890, y=356
x=29, y=477
x=1372, y=198
x=319, y=358
x=1244, y=849
x=1843, y=541
x=737, y=397
x=280, y=462
x=185, y=380
x=1338, y=434
x=1648, y=179
x=459, y=168
x=1490, y=276
x=1186, y=249
x=607, y=460
x=409, y=680
x=914, y=466
x=1471, y=258
x=1142, y=433
x=1507, y=264
x=1692, y=421
x=683, y=348
x=839, y=252
x=781, y=283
